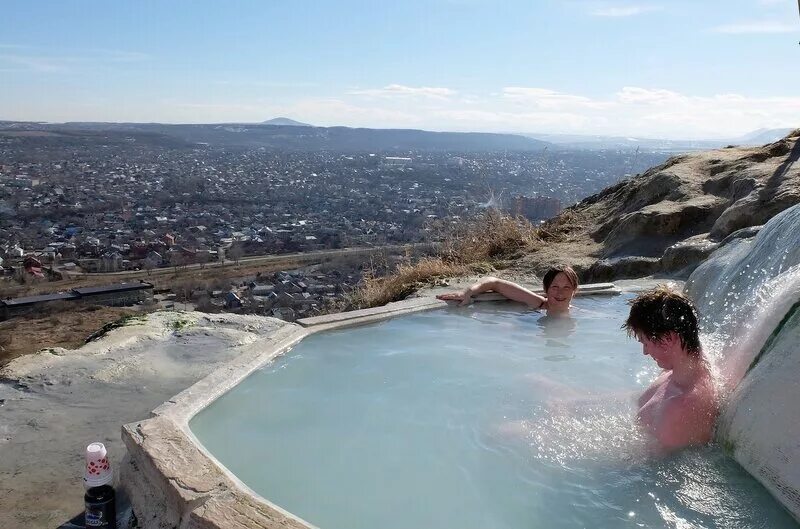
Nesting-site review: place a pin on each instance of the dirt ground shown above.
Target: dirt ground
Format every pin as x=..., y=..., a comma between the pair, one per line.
x=68, y=329
x=161, y=281
x=69, y=326
x=52, y=404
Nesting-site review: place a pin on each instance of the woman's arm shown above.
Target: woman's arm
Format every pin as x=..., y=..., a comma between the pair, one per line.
x=509, y=289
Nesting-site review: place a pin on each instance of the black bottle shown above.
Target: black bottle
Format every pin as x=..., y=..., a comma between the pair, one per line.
x=101, y=511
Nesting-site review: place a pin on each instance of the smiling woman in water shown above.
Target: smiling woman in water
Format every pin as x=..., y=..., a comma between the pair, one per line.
x=560, y=284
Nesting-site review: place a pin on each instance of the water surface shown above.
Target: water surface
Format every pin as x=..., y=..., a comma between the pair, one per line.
x=480, y=417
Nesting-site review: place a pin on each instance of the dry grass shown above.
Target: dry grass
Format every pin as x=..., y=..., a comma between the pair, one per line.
x=560, y=228
x=489, y=238
x=68, y=329
x=406, y=279
x=474, y=247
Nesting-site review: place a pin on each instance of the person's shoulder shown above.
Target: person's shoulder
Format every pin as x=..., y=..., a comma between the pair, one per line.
x=693, y=406
x=677, y=427
x=698, y=397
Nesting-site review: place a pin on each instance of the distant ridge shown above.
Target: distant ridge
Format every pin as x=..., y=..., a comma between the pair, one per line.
x=587, y=141
x=762, y=136
x=285, y=122
x=274, y=136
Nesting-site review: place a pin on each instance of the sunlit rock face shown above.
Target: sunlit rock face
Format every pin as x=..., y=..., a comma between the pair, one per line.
x=748, y=297
x=679, y=211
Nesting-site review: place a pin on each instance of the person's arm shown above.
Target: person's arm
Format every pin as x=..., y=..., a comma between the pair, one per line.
x=508, y=289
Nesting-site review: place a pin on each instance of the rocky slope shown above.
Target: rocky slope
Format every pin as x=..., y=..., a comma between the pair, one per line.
x=670, y=218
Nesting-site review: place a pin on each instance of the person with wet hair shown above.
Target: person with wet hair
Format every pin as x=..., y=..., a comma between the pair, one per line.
x=560, y=284
x=680, y=407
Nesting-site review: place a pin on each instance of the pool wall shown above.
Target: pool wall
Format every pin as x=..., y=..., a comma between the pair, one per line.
x=173, y=482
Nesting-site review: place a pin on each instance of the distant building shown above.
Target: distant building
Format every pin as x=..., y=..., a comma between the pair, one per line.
x=396, y=160
x=119, y=295
x=232, y=300
x=153, y=260
x=110, y=262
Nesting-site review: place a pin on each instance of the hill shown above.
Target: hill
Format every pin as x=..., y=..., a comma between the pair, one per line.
x=288, y=137
x=596, y=142
x=667, y=220
x=285, y=121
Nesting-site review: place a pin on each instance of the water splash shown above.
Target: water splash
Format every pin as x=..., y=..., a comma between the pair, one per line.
x=748, y=295
x=744, y=290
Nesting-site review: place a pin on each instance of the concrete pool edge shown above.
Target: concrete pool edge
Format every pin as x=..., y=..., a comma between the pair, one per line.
x=173, y=481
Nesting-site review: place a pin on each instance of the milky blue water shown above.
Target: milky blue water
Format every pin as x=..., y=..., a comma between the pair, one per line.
x=479, y=417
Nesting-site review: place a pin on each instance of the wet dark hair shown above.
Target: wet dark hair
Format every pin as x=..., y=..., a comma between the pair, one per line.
x=660, y=311
x=551, y=274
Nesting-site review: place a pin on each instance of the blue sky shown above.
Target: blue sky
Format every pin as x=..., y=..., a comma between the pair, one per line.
x=677, y=69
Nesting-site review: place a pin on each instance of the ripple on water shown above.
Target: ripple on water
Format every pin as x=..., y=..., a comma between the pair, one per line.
x=471, y=419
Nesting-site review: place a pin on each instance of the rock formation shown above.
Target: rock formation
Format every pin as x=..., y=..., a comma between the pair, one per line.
x=673, y=216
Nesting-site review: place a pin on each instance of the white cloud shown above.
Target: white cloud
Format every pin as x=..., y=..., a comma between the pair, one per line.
x=619, y=11
x=630, y=111
x=398, y=90
x=264, y=84
x=34, y=63
x=547, y=99
x=26, y=58
x=636, y=111
x=636, y=95
x=506, y=121
x=761, y=26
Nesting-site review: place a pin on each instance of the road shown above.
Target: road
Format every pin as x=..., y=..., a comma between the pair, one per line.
x=293, y=258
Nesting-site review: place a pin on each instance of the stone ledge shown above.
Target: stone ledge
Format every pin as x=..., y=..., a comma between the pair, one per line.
x=392, y=309
x=591, y=289
x=196, y=397
x=172, y=483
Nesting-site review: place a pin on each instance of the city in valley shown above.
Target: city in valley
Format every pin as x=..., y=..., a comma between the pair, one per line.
x=108, y=205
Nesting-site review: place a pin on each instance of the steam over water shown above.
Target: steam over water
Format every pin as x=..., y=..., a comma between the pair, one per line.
x=478, y=417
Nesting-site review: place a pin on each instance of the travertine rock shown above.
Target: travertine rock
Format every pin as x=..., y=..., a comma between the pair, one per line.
x=683, y=257
x=658, y=214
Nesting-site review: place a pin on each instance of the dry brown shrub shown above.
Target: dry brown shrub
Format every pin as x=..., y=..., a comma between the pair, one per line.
x=490, y=237
x=406, y=279
x=558, y=229
x=473, y=247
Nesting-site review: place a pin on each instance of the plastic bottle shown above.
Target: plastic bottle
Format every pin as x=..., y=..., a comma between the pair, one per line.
x=100, y=499
x=101, y=509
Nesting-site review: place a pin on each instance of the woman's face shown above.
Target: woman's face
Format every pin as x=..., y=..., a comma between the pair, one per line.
x=559, y=294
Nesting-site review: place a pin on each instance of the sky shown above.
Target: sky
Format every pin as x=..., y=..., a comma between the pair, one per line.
x=661, y=69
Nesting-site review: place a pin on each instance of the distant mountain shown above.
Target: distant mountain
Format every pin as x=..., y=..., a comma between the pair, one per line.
x=293, y=138
x=590, y=142
x=581, y=141
x=285, y=122
x=763, y=136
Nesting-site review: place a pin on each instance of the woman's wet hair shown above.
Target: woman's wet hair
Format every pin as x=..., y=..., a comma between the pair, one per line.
x=658, y=312
x=551, y=274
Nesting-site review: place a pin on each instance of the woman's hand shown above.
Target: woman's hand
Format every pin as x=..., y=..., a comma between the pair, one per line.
x=463, y=297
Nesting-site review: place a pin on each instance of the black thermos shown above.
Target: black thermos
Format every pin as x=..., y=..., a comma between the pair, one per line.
x=101, y=511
